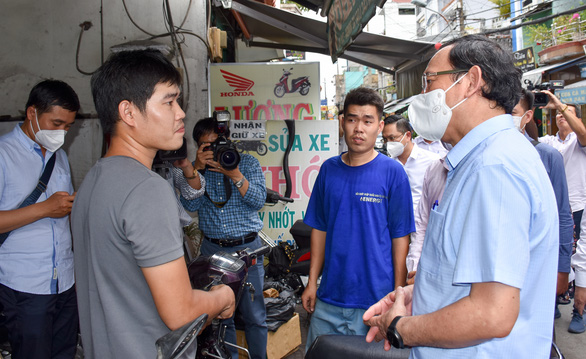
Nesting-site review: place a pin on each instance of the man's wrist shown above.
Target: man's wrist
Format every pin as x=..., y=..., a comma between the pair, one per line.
x=563, y=108
x=393, y=335
x=240, y=182
x=191, y=175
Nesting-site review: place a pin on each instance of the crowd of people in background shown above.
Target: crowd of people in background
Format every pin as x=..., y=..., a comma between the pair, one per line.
x=459, y=240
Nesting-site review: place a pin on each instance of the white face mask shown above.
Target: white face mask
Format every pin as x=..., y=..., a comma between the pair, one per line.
x=430, y=115
x=51, y=140
x=395, y=149
x=517, y=121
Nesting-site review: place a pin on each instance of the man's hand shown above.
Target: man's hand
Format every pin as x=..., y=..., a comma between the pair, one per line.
x=554, y=103
x=59, y=204
x=411, y=277
x=380, y=315
x=203, y=157
x=227, y=294
x=563, y=279
x=308, y=298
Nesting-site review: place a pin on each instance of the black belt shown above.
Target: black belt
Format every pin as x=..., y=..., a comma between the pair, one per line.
x=231, y=242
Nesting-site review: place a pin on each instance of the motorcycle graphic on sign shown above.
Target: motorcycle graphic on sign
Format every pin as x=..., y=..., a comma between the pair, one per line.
x=300, y=84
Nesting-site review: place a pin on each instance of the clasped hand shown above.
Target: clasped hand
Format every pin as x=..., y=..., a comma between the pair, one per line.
x=380, y=315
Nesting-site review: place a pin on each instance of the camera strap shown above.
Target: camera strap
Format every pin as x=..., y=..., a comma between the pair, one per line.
x=227, y=189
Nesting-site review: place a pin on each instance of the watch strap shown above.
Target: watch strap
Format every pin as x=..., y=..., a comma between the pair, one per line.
x=393, y=334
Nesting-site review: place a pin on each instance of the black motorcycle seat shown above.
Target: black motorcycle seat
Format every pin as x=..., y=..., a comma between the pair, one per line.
x=301, y=233
x=351, y=346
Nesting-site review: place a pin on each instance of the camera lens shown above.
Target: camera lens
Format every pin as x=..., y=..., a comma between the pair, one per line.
x=229, y=158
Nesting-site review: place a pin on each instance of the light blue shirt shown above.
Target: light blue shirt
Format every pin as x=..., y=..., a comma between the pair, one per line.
x=35, y=258
x=497, y=222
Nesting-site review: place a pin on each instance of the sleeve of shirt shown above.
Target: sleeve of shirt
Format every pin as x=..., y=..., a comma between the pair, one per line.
x=256, y=194
x=187, y=192
x=400, y=217
x=154, y=231
x=579, y=258
x=490, y=237
x=421, y=220
x=560, y=187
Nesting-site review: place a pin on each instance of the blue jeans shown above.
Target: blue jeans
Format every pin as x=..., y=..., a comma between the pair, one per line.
x=330, y=319
x=253, y=312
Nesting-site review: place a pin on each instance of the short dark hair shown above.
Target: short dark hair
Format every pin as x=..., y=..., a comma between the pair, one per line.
x=131, y=76
x=203, y=127
x=49, y=93
x=401, y=122
x=502, y=79
x=363, y=96
x=527, y=99
x=577, y=109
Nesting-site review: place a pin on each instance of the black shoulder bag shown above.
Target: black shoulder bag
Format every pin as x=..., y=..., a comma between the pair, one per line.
x=36, y=193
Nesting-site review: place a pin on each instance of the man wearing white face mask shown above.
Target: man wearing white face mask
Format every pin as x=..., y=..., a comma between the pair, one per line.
x=397, y=138
x=36, y=258
x=485, y=284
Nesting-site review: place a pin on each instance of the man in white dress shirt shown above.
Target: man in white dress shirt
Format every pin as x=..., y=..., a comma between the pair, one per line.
x=397, y=138
x=431, y=146
x=570, y=141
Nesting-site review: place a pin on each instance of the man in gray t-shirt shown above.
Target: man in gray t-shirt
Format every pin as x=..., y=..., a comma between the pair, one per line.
x=132, y=280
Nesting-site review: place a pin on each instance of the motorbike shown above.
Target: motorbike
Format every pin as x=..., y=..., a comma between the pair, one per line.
x=248, y=146
x=300, y=84
x=192, y=340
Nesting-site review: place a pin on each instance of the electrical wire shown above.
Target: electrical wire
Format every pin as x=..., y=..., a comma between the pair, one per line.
x=132, y=20
x=84, y=26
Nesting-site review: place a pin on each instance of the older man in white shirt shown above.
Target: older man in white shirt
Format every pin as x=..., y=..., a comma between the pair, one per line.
x=399, y=145
x=570, y=141
x=431, y=146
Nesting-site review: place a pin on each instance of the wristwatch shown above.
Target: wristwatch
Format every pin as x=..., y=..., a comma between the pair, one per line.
x=393, y=335
x=240, y=183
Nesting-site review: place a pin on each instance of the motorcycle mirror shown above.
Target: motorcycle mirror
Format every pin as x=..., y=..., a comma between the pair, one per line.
x=182, y=342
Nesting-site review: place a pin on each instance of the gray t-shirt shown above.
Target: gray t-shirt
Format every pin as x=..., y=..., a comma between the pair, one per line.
x=124, y=217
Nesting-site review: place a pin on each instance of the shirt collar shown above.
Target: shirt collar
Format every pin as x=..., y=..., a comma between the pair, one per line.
x=568, y=137
x=24, y=139
x=476, y=136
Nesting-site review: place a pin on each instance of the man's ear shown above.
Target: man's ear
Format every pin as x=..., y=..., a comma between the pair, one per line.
x=31, y=111
x=127, y=112
x=476, y=83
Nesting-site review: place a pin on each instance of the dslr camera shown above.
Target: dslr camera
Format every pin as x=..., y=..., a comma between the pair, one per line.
x=225, y=153
x=541, y=99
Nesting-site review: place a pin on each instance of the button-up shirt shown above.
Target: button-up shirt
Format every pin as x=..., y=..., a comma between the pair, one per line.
x=575, y=164
x=237, y=217
x=36, y=258
x=497, y=222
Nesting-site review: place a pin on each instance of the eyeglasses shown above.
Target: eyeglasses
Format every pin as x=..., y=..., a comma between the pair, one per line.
x=396, y=138
x=432, y=74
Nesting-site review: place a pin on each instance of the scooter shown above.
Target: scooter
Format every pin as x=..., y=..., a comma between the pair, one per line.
x=300, y=84
x=204, y=273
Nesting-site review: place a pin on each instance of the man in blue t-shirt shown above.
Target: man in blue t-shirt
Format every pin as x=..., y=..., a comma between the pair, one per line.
x=361, y=212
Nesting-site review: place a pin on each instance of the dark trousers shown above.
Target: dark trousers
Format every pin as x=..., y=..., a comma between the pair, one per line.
x=41, y=326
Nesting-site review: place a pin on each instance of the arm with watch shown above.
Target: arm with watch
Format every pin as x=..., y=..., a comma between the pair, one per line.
x=489, y=311
x=574, y=122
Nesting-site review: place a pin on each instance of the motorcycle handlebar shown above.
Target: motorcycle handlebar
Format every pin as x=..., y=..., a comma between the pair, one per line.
x=261, y=251
x=274, y=197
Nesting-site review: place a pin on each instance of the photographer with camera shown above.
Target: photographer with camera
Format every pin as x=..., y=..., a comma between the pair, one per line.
x=228, y=214
x=570, y=141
